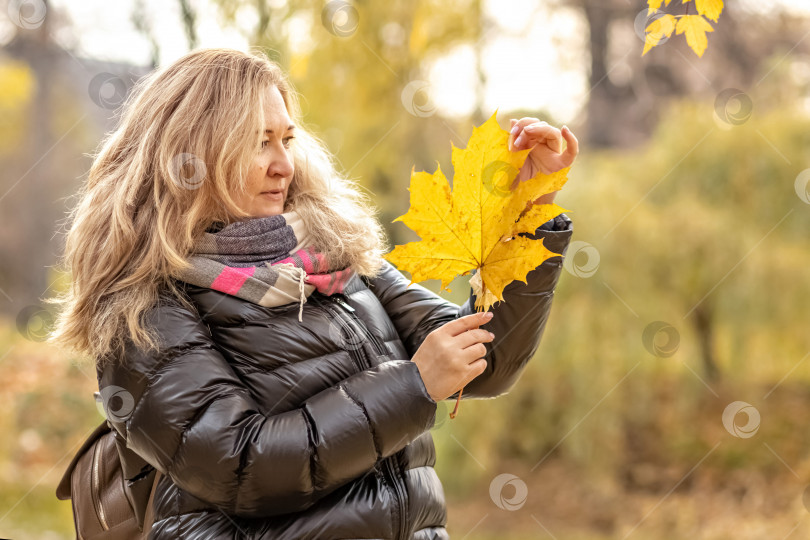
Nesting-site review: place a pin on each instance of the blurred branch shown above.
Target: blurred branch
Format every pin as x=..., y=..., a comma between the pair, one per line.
x=143, y=24
x=189, y=23
x=264, y=19
x=479, y=116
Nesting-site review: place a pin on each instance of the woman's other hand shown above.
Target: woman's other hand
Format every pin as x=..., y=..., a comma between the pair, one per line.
x=547, y=155
x=452, y=355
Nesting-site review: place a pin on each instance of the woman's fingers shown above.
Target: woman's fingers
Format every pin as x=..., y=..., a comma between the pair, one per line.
x=527, y=132
x=517, y=127
x=573, y=146
x=468, y=322
x=542, y=133
x=473, y=337
x=546, y=144
x=512, y=134
x=522, y=123
x=474, y=369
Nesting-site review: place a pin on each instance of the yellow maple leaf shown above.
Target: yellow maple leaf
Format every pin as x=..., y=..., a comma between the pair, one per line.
x=657, y=30
x=477, y=225
x=710, y=9
x=695, y=27
x=655, y=5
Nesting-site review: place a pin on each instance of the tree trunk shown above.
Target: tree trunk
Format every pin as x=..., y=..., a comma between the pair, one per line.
x=704, y=325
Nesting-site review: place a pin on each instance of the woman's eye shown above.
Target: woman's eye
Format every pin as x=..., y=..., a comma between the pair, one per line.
x=287, y=141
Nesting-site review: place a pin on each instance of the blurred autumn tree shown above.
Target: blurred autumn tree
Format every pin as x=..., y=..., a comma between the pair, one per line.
x=57, y=107
x=33, y=164
x=629, y=93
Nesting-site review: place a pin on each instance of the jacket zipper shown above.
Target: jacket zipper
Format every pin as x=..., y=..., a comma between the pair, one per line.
x=94, y=489
x=388, y=463
x=378, y=345
x=357, y=357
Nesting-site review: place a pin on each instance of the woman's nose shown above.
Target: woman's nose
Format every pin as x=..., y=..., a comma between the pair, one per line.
x=281, y=165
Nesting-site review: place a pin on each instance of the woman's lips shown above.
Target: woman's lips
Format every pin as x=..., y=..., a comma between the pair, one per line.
x=275, y=195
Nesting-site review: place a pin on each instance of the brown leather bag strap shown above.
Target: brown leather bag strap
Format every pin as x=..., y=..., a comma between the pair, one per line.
x=149, y=517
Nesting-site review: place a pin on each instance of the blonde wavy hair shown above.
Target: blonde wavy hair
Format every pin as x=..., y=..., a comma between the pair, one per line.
x=139, y=214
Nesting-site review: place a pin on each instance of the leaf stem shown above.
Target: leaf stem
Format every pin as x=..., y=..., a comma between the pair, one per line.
x=458, y=400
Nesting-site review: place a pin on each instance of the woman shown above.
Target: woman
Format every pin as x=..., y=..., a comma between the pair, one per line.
x=250, y=341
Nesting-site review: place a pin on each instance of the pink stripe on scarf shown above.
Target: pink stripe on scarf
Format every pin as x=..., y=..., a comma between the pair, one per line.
x=321, y=260
x=332, y=282
x=325, y=283
x=231, y=279
x=321, y=282
x=337, y=285
x=305, y=258
x=307, y=255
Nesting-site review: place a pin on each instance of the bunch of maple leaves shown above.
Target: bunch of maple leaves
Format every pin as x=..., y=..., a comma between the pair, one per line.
x=694, y=26
x=477, y=225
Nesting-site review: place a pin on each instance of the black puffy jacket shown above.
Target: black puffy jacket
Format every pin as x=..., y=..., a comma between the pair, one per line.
x=270, y=428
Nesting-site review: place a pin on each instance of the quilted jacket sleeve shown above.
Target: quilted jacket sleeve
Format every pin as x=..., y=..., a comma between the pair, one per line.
x=518, y=322
x=185, y=411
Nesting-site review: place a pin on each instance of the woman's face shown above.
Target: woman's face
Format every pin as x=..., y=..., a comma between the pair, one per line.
x=272, y=169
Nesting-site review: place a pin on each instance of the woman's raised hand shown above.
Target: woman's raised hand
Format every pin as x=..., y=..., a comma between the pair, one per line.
x=452, y=355
x=547, y=155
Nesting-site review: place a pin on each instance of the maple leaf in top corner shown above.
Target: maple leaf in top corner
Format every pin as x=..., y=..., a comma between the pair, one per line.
x=710, y=9
x=658, y=29
x=477, y=225
x=655, y=5
x=695, y=28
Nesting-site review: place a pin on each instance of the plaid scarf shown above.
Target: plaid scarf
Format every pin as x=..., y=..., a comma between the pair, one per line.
x=268, y=261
